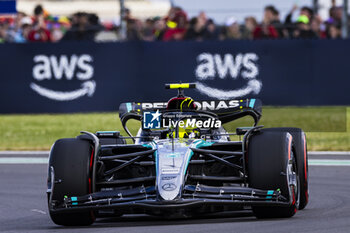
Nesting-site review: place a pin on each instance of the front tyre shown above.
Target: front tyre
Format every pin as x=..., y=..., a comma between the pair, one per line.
x=272, y=166
x=71, y=160
x=300, y=146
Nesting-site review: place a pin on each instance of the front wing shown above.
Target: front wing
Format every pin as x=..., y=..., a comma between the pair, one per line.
x=192, y=197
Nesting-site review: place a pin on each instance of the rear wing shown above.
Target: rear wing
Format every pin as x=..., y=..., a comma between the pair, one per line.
x=226, y=110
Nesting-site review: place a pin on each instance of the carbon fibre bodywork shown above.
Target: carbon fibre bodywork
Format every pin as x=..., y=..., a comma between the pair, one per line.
x=161, y=173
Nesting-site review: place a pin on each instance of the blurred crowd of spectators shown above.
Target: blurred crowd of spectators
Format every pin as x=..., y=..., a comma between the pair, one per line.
x=43, y=27
x=177, y=26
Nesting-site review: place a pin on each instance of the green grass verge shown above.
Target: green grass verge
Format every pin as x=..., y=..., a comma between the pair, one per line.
x=327, y=128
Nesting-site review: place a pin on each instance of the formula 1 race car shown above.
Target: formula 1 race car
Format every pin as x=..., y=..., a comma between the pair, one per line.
x=182, y=163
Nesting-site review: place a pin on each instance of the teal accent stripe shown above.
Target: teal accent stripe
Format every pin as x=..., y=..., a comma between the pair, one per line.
x=251, y=103
x=197, y=144
x=156, y=155
x=189, y=159
x=75, y=203
x=129, y=106
x=153, y=145
x=269, y=192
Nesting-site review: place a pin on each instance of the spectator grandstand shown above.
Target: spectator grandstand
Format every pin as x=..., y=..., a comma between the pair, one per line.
x=42, y=26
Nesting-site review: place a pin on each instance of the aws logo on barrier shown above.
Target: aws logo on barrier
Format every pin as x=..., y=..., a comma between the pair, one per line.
x=217, y=67
x=63, y=68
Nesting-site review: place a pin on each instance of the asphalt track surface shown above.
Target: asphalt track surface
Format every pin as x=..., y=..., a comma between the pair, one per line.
x=23, y=205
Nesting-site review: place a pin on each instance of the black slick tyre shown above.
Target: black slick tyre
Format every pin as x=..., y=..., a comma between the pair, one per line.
x=300, y=146
x=271, y=165
x=71, y=160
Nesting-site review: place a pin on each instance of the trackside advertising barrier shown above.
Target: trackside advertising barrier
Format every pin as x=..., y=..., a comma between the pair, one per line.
x=81, y=77
x=8, y=7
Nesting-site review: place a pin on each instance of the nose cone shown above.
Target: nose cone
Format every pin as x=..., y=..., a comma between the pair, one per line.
x=171, y=164
x=169, y=190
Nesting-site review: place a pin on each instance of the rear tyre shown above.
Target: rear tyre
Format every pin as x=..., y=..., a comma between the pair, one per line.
x=300, y=146
x=70, y=159
x=272, y=166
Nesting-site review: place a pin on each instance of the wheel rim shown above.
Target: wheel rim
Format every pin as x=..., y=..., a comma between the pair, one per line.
x=293, y=181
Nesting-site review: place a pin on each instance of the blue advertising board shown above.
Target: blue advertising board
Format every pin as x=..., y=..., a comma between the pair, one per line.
x=8, y=7
x=83, y=77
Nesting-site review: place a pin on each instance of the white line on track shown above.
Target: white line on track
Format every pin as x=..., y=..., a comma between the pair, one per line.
x=38, y=211
x=23, y=160
x=328, y=152
x=24, y=152
x=328, y=162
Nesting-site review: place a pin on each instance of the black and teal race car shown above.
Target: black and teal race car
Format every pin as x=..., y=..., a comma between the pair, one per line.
x=182, y=162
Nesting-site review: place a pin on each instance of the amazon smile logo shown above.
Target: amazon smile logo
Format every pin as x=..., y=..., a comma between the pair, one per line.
x=215, y=66
x=63, y=68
